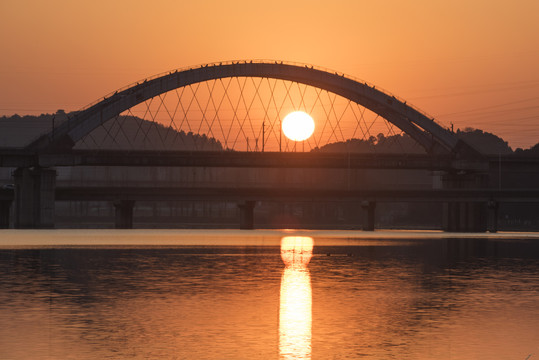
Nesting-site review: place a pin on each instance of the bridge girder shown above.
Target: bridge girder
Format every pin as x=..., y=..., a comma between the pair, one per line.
x=434, y=138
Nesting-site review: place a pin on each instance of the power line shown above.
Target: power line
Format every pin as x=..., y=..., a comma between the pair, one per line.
x=492, y=106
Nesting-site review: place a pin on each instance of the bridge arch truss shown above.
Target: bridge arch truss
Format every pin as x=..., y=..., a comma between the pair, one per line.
x=294, y=83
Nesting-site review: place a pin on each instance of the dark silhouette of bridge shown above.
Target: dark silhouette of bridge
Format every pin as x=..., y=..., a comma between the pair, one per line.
x=471, y=187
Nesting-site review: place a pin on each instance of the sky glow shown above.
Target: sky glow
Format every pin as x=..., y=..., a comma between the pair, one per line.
x=470, y=64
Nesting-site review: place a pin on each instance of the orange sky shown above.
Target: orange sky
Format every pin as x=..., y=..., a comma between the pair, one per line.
x=470, y=63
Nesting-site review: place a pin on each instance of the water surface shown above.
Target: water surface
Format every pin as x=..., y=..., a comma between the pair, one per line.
x=268, y=295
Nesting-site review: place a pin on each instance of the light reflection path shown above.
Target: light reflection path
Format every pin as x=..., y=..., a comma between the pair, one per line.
x=295, y=311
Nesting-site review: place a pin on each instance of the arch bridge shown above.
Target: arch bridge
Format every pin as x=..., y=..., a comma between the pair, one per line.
x=432, y=137
x=229, y=114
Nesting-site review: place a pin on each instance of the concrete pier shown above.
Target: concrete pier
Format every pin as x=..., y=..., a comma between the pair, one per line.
x=465, y=216
x=247, y=215
x=124, y=213
x=367, y=209
x=34, y=198
x=492, y=216
x=5, y=206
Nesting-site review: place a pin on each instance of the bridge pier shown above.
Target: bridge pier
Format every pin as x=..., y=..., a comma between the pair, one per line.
x=124, y=213
x=34, y=198
x=492, y=216
x=5, y=205
x=247, y=214
x=464, y=216
x=367, y=208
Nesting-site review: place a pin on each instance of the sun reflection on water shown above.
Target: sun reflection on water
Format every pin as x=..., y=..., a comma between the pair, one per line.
x=295, y=312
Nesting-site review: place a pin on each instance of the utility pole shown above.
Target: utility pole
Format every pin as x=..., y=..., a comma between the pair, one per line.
x=280, y=134
x=263, y=135
x=499, y=168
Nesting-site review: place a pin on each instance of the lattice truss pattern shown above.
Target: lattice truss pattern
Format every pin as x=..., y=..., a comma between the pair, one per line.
x=245, y=114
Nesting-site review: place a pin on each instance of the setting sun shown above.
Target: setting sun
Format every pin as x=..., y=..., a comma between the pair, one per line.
x=298, y=126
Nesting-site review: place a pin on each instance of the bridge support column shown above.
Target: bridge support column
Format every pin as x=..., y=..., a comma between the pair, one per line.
x=34, y=198
x=4, y=214
x=367, y=208
x=492, y=216
x=464, y=216
x=124, y=213
x=450, y=218
x=247, y=215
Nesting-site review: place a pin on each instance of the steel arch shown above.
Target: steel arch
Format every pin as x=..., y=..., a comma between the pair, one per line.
x=433, y=137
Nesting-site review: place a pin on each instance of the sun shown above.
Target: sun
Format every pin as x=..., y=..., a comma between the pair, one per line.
x=298, y=126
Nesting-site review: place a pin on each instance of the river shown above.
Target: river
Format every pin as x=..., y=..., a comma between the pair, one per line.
x=225, y=294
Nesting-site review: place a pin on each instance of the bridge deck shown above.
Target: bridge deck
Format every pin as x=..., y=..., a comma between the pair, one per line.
x=294, y=194
x=285, y=194
x=22, y=158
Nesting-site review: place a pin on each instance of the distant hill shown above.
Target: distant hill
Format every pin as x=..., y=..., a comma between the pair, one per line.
x=484, y=142
x=122, y=133
x=533, y=151
x=379, y=144
x=129, y=132
x=18, y=131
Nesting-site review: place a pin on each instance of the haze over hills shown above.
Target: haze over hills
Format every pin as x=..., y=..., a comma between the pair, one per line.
x=129, y=132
